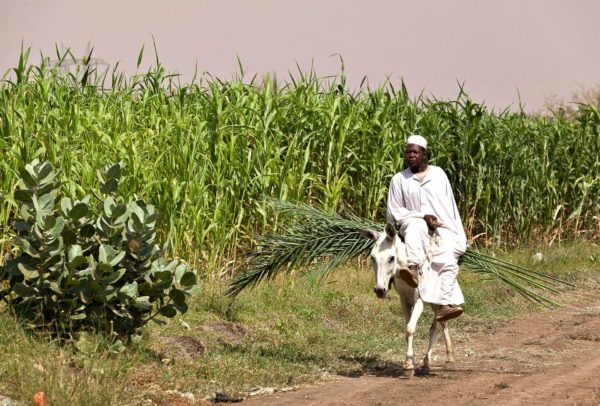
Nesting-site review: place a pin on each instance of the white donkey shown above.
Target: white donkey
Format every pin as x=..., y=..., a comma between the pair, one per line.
x=388, y=256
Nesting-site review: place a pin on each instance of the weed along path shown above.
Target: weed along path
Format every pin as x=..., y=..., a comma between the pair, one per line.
x=548, y=358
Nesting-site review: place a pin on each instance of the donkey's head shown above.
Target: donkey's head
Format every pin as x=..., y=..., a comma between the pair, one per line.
x=387, y=257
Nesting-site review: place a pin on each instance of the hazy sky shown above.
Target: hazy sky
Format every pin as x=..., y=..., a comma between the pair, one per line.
x=536, y=47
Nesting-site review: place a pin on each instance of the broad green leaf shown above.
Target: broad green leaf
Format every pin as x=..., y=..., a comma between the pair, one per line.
x=23, y=290
x=44, y=171
x=27, y=247
x=114, y=276
x=48, y=223
x=177, y=296
x=102, y=257
x=58, y=227
x=21, y=225
x=28, y=272
x=105, y=268
x=87, y=231
x=168, y=311
x=55, y=288
x=188, y=279
x=66, y=205
x=114, y=172
x=118, y=258
x=78, y=211
x=119, y=213
x=143, y=303
x=108, y=206
x=109, y=186
x=46, y=203
x=179, y=272
x=27, y=178
x=68, y=236
x=129, y=290
x=23, y=196
x=74, y=251
x=181, y=307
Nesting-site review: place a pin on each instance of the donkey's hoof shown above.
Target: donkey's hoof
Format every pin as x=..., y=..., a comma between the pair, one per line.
x=423, y=371
x=408, y=372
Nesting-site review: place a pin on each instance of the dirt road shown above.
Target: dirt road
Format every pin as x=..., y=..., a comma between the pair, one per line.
x=549, y=358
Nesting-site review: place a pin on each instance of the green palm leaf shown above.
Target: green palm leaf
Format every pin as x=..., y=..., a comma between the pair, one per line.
x=315, y=236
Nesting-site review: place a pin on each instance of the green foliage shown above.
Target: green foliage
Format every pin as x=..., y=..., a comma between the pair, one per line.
x=79, y=266
x=209, y=153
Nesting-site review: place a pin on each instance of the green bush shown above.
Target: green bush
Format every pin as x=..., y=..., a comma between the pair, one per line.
x=77, y=266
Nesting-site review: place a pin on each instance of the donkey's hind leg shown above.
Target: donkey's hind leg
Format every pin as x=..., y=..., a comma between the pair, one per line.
x=449, y=352
x=432, y=336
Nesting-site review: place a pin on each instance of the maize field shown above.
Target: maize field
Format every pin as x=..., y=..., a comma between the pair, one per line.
x=211, y=153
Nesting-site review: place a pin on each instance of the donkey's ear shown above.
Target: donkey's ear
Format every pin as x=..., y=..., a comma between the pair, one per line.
x=369, y=234
x=390, y=230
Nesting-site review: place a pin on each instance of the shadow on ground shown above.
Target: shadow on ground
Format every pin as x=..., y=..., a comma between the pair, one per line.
x=376, y=367
x=370, y=366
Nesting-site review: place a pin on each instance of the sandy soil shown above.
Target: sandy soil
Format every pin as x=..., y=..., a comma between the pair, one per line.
x=549, y=358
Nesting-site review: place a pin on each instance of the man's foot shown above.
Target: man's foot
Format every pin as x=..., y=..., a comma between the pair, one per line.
x=448, y=312
x=410, y=275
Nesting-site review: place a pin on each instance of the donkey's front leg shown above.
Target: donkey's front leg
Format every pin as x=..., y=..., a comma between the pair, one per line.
x=410, y=332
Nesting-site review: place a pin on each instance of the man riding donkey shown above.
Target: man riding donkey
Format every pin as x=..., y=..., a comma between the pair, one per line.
x=422, y=205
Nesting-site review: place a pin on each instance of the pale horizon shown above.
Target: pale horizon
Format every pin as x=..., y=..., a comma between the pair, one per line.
x=500, y=50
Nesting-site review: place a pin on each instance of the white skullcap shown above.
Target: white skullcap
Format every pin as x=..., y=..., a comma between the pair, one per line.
x=417, y=140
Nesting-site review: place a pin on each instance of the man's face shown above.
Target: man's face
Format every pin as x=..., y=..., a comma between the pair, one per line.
x=414, y=155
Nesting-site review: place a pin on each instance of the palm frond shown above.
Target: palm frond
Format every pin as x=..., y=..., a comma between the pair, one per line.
x=517, y=277
x=314, y=235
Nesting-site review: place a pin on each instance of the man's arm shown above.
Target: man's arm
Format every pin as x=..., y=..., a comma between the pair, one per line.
x=396, y=206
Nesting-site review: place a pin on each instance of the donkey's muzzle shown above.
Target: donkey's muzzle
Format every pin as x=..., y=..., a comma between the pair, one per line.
x=380, y=292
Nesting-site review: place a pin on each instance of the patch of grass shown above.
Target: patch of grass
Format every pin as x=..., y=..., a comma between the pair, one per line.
x=31, y=364
x=286, y=333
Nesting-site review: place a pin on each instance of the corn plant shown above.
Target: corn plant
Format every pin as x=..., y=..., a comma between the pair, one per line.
x=210, y=153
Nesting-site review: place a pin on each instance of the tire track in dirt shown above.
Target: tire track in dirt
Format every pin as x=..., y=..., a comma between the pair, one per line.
x=548, y=358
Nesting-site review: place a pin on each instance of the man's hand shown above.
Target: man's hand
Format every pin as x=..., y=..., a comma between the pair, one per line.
x=432, y=221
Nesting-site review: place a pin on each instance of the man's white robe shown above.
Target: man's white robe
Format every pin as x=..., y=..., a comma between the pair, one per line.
x=409, y=200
